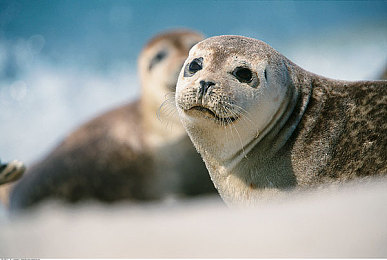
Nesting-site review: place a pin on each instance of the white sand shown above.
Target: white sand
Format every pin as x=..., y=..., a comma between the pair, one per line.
x=351, y=222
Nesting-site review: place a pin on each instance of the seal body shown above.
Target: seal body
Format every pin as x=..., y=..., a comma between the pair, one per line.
x=265, y=126
x=126, y=153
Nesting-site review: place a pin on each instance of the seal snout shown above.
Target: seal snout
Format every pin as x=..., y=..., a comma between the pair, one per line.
x=213, y=114
x=202, y=100
x=202, y=90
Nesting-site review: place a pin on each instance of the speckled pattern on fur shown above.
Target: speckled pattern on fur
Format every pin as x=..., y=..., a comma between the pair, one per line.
x=324, y=131
x=343, y=133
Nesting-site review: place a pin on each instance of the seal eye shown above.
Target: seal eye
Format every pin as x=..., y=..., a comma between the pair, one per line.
x=244, y=75
x=157, y=58
x=193, y=67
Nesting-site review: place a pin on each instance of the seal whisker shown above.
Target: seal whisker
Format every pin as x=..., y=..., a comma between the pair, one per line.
x=240, y=139
x=170, y=94
x=241, y=110
x=247, y=120
x=245, y=116
x=168, y=115
x=227, y=127
x=228, y=124
x=167, y=108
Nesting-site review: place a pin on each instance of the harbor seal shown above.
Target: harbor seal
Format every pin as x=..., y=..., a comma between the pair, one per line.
x=126, y=153
x=265, y=126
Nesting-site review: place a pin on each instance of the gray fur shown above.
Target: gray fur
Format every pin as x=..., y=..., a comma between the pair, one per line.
x=330, y=131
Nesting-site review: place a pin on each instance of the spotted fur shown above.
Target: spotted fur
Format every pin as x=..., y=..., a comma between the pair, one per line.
x=310, y=130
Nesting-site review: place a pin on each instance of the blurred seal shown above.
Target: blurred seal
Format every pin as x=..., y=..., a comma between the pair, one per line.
x=127, y=153
x=263, y=125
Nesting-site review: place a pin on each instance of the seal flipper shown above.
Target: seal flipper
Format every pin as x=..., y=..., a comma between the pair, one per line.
x=11, y=171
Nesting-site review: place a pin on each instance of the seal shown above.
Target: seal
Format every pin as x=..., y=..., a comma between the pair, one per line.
x=126, y=153
x=264, y=126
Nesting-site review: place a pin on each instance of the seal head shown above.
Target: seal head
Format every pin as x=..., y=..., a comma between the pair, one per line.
x=234, y=87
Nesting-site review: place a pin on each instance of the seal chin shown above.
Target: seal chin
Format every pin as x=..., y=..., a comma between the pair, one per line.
x=210, y=114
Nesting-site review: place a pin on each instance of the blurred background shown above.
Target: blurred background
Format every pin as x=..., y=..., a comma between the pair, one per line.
x=64, y=62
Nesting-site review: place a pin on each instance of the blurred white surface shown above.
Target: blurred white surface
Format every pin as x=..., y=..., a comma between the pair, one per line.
x=349, y=222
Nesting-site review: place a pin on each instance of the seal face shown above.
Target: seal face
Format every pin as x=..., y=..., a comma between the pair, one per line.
x=159, y=66
x=126, y=153
x=251, y=113
x=226, y=88
x=162, y=58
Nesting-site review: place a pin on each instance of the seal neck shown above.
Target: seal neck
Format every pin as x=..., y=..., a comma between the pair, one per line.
x=283, y=124
x=260, y=165
x=301, y=92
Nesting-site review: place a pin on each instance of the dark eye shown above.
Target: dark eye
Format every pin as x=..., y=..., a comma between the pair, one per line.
x=195, y=65
x=244, y=75
x=157, y=58
x=192, y=67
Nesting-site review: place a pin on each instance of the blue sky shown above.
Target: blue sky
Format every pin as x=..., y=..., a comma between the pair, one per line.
x=100, y=32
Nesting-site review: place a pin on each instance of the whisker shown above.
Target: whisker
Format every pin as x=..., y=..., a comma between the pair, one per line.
x=224, y=124
x=231, y=131
x=246, y=117
x=240, y=139
x=240, y=109
x=249, y=123
x=170, y=95
x=166, y=102
x=227, y=124
x=167, y=109
x=169, y=114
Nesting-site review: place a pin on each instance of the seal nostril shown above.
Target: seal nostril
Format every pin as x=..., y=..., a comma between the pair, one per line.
x=205, y=85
